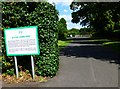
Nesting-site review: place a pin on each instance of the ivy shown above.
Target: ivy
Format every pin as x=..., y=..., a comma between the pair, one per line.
x=45, y=16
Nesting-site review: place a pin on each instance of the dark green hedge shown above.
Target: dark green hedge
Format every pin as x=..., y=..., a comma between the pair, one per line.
x=45, y=16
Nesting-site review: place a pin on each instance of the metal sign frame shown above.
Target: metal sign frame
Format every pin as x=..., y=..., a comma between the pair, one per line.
x=18, y=29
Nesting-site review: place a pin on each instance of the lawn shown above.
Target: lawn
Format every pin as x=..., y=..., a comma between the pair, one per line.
x=62, y=44
x=105, y=42
x=99, y=41
x=108, y=43
x=114, y=45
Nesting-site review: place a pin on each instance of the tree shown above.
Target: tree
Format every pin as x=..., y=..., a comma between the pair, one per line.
x=62, y=26
x=86, y=31
x=103, y=17
x=73, y=32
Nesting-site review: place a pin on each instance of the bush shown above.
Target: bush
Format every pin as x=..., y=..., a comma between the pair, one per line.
x=45, y=16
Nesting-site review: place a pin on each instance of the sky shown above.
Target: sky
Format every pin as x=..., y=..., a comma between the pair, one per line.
x=63, y=6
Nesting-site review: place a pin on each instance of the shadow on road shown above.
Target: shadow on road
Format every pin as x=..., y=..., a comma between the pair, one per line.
x=88, y=50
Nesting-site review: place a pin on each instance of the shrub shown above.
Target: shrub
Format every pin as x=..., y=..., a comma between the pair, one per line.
x=45, y=16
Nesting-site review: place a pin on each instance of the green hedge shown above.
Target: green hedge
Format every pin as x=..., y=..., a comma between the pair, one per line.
x=45, y=16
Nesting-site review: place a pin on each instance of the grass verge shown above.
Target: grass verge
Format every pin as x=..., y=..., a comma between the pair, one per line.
x=114, y=45
x=62, y=44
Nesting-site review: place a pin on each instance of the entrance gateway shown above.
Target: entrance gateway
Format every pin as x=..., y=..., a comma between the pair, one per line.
x=22, y=41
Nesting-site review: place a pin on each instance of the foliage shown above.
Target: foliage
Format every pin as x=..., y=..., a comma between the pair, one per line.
x=73, y=32
x=102, y=17
x=84, y=31
x=62, y=26
x=45, y=16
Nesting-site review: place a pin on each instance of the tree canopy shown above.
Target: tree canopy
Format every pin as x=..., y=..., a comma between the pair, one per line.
x=73, y=31
x=101, y=16
x=62, y=27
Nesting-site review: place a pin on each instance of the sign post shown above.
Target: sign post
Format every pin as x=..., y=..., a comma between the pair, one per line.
x=16, y=67
x=22, y=41
x=33, y=69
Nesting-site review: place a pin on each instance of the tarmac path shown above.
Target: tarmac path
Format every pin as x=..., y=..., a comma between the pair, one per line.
x=82, y=64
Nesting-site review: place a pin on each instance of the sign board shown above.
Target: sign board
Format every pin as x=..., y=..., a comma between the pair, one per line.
x=21, y=41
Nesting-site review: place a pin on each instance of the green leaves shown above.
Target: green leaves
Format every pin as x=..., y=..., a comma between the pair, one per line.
x=45, y=16
x=100, y=16
x=62, y=28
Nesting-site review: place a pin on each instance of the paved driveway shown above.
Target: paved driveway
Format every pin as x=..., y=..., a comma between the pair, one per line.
x=83, y=64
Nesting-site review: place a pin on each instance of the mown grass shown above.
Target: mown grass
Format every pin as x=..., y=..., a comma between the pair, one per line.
x=115, y=45
x=62, y=44
x=103, y=40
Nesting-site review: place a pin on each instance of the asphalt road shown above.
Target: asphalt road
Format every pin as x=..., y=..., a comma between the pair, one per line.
x=82, y=64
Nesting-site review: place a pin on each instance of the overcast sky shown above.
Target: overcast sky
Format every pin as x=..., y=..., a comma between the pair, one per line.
x=63, y=6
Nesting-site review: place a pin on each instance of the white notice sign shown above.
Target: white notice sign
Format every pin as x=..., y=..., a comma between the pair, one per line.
x=22, y=41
